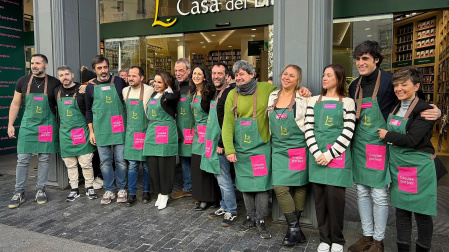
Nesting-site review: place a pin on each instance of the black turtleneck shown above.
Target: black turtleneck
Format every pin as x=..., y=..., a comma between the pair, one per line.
x=183, y=87
x=368, y=83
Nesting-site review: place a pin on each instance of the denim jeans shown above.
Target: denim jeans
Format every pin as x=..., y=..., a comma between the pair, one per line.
x=424, y=224
x=374, y=219
x=121, y=169
x=133, y=173
x=23, y=161
x=256, y=204
x=228, y=202
x=186, y=173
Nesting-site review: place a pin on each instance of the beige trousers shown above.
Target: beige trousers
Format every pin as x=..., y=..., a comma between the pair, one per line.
x=85, y=162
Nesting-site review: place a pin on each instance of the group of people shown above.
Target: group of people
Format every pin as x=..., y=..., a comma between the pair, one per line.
x=377, y=136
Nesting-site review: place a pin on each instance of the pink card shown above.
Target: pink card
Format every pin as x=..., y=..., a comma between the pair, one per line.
x=38, y=98
x=78, y=136
x=281, y=116
x=375, y=156
x=196, y=100
x=259, y=165
x=395, y=122
x=68, y=102
x=330, y=106
x=367, y=105
x=337, y=162
x=153, y=102
x=188, y=136
x=139, y=140
x=161, y=134
x=408, y=179
x=297, y=159
x=201, y=133
x=182, y=99
x=45, y=133
x=245, y=123
x=208, y=152
x=134, y=102
x=117, y=124
x=106, y=88
x=212, y=106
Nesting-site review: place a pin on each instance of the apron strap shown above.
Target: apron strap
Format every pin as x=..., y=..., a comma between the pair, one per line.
x=235, y=105
x=74, y=95
x=92, y=82
x=319, y=99
x=112, y=80
x=141, y=91
x=45, y=85
x=127, y=94
x=59, y=94
x=221, y=92
x=255, y=105
x=290, y=105
x=376, y=88
x=292, y=101
x=29, y=84
x=410, y=109
x=340, y=100
x=359, y=91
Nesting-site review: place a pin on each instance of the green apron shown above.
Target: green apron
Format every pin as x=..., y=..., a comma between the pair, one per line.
x=184, y=124
x=253, y=166
x=288, y=147
x=200, y=117
x=328, y=126
x=73, y=130
x=414, y=182
x=370, y=155
x=108, y=115
x=136, y=125
x=161, y=139
x=38, y=130
x=210, y=161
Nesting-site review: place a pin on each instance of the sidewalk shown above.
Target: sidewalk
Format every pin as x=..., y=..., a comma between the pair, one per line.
x=85, y=225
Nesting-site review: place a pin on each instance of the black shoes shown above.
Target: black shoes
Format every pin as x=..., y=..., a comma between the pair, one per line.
x=202, y=206
x=146, y=197
x=131, y=200
x=294, y=232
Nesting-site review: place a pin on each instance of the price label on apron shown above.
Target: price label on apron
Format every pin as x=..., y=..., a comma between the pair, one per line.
x=259, y=165
x=201, y=133
x=208, y=151
x=161, y=134
x=188, y=136
x=408, y=179
x=375, y=156
x=117, y=124
x=367, y=105
x=338, y=162
x=78, y=136
x=395, y=122
x=297, y=159
x=68, y=102
x=45, y=133
x=139, y=140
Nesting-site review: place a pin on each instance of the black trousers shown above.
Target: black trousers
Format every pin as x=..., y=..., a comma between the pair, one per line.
x=404, y=228
x=330, y=210
x=204, y=185
x=162, y=174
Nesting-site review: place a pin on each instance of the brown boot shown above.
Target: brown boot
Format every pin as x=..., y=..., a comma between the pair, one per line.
x=376, y=246
x=363, y=244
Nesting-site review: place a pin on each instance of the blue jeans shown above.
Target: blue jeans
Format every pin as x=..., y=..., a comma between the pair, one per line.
x=121, y=169
x=374, y=219
x=23, y=161
x=228, y=202
x=186, y=173
x=133, y=173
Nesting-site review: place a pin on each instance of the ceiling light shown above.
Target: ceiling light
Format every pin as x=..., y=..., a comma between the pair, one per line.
x=252, y=36
x=407, y=15
x=155, y=53
x=177, y=39
x=369, y=36
x=414, y=13
x=204, y=46
x=213, y=35
x=230, y=46
x=253, y=29
x=206, y=38
x=161, y=54
x=193, y=53
x=201, y=42
x=367, y=29
x=398, y=19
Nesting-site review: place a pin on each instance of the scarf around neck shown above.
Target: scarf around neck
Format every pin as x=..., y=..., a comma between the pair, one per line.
x=247, y=88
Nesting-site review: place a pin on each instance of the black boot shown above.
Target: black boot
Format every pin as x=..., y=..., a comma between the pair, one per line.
x=420, y=248
x=402, y=247
x=146, y=197
x=302, y=237
x=292, y=236
x=130, y=201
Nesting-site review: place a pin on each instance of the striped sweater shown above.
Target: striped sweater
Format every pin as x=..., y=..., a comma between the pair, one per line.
x=345, y=137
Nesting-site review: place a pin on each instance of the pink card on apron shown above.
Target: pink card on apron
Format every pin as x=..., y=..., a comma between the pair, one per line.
x=134, y=102
x=153, y=102
x=45, y=133
x=117, y=124
x=259, y=165
x=182, y=99
x=38, y=98
x=68, y=102
x=297, y=159
x=78, y=136
x=188, y=136
x=375, y=156
x=330, y=106
x=367, y=105
x=395, y=122
x=208, y=151
x=337, y=162
x=245, y=123
x=139, y=140
x=161, y=134
x=408, y=179
x=201, y=133
x=281, y=116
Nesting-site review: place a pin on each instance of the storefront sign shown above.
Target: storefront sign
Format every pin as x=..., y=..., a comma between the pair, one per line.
x=402, y=64
x=12, y=67
x=206, y=6
x=425, y=61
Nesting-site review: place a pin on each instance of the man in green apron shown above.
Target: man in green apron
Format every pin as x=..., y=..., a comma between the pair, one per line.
x=136, y=98
x=38, y=129
x=106, y=119
x=184, y=122
x=374, y=96
x=214, y=160
x=74, y=133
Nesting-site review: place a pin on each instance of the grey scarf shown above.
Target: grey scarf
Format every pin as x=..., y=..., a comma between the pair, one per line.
x=247, y=88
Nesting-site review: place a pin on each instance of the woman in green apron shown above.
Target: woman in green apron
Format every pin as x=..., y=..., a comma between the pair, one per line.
x=413, y=188
x=286, y=111
x=161, y=140
x=204, y=185
x=330, y=122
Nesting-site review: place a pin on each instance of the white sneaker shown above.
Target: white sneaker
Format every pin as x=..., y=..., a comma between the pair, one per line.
x=158, y=200
x=121, y=196
x=324, y=247
x=163, y=202
x=98, y=183
x=336, y=247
